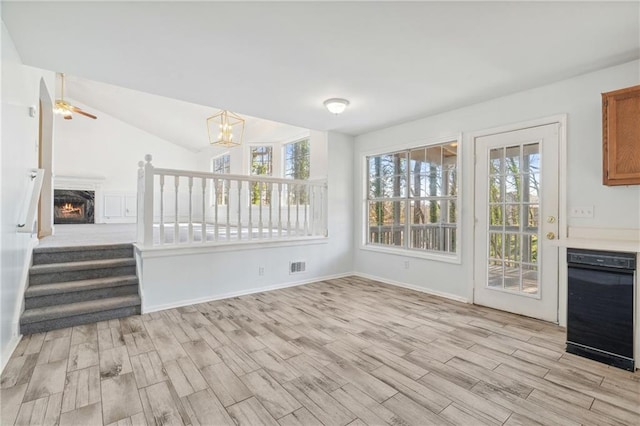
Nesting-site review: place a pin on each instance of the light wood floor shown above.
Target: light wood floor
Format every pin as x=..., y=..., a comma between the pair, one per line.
x=345, y=351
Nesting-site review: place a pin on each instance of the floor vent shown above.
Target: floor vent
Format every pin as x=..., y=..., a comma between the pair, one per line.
x=297, y=267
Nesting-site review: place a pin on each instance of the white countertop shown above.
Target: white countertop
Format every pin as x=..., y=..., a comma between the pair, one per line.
x=598, y=244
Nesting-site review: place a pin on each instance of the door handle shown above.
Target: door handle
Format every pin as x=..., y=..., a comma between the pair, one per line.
x=551, y=236
x=551, y=219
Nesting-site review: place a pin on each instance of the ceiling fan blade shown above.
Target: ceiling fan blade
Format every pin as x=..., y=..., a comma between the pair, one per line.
x=68, y=116
x=79, y=111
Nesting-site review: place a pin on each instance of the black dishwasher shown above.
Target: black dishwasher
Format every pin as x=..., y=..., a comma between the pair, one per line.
x=600, y=306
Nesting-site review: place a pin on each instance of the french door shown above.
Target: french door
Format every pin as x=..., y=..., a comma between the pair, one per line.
x=516, y=207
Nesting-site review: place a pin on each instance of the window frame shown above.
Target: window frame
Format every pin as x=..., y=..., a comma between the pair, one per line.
x=406, y=251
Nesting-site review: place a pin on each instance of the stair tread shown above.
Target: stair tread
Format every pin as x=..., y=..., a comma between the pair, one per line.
x=61, y=249
x=48, y=268
x=60, y=311
x=80, y=285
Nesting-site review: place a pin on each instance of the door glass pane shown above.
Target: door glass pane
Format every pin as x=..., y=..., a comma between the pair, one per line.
x=531, y=158
x=496, y=216
x=496, y=160
x=512, y=160
x=513, y=218
x=496, y=189
x=495, y=274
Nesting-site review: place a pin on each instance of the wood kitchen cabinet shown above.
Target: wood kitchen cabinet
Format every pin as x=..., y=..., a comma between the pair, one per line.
x=621, y=137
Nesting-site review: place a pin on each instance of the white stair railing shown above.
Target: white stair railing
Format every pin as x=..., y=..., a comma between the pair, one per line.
x=180, y=207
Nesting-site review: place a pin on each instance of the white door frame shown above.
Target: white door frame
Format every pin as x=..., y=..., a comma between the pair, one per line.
x=561, y=120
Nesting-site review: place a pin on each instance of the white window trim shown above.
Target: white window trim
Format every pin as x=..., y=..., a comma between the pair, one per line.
x=407, y=252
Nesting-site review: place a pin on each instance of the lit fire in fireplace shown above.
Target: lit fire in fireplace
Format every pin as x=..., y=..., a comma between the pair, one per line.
x=69, y=209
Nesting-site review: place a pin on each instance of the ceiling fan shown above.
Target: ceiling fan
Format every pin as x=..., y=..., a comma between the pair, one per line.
x=65, y=109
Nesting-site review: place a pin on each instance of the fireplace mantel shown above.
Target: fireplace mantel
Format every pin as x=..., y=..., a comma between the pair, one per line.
x=78, y=182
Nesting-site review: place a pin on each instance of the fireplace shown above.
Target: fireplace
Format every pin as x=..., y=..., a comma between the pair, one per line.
x=73, y=206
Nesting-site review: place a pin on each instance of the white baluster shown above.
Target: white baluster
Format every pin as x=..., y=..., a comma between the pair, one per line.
x=228, y=209
x=250, y=189
x=176, y=225
x=239, y=226
x=306, y=204
x=148, y=201
x=271, y=210
x=161, y=209
x=297, y=209
x=140, y=204
x=288, y=209
x=216, y=198
x=279, y=210
x=260, y=186
x=190, y=210
x=203, y=230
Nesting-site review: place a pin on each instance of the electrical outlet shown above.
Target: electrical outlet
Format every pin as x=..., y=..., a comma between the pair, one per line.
x=406, y=264
x=261, y=270
x=583, y=212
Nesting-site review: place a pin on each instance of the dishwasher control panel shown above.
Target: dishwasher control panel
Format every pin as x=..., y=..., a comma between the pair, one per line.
x=604, y=259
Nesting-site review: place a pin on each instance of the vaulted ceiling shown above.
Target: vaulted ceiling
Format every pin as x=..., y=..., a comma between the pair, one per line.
x=279, y=61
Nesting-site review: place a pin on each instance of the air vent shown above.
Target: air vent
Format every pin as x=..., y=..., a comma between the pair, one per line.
x=297, y=267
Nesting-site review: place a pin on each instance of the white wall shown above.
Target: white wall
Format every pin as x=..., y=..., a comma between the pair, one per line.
x=110, y=148
x=179, y=278
x=19, y=154
x=579, y=97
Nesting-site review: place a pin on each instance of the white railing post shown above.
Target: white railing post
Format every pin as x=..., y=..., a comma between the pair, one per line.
x=145, y=200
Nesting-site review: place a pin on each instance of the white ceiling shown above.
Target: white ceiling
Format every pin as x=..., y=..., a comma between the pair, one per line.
x=176, y=121
x=279, y=61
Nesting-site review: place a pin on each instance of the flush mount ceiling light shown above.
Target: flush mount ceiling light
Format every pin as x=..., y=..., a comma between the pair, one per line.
x=336, y=105
x=225, y=129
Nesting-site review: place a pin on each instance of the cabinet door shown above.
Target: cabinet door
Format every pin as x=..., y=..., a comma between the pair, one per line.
x=621, y=136
x=113, y=206
x=130, y=206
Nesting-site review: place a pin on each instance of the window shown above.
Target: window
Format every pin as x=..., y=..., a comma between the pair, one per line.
x=221, y=165
x=412, y=198
x=297, y=166
x=261, y=165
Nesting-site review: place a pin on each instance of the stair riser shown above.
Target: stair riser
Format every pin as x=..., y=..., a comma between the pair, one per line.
x=79, y=296
x=78, y=256
x=87, y=274
x=39, y=327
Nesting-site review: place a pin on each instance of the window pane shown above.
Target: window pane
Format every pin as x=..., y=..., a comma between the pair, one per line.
x=426, y=185
x=496, y=216
x=531, y=157
x=427, y=211
x=495, y=274
x=496, y=189
x=387, y=176
x=261, y=164
x=512, y=160
x=220, y=188
x=513, y=189
x=386, y=222
x=261, y=160
x=297, y=160
x=496, y=161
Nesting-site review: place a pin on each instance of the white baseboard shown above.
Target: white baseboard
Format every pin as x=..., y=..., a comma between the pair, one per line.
x=413, y=287
x=149, y=309
x=8, y=351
